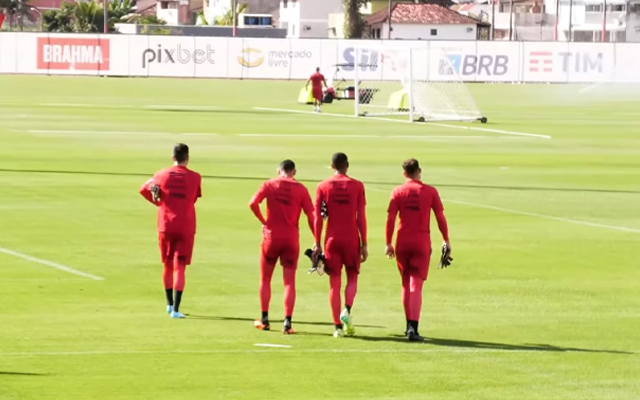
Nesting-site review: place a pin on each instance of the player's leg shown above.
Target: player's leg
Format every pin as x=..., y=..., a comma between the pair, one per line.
x=402, y=261
x=352, y=268
x=333, y=268
x=289, y=261
x=166, y=254
x=268, y=260
x=183, y=245
x=418, y=275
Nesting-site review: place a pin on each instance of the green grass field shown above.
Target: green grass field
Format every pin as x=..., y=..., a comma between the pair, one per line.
x=542, y=301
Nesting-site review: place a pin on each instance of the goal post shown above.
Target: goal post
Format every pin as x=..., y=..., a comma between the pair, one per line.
x=421, y=84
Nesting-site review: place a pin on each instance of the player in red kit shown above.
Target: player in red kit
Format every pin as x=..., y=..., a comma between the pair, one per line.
x=342, y=201
x=175, y=191
x=317, y=80
x=413, y=201
x=286, y=198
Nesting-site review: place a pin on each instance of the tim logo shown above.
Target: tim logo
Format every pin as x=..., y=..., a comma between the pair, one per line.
x=250, y=58
x=369, y=59
x=565, y=61
x=177, y=55
x=469, y=64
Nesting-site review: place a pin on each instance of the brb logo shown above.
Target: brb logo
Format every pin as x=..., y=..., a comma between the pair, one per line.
x=368, y=61
x=570, y=62
x=469, y=64
x=178, y=54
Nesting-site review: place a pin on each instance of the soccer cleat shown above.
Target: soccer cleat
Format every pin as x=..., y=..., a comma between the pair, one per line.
x=169, y=309
x=338, y=333
x=347, y=322
x=262, y=324
x=176, y=314
x=287, y=329
x=413, y=336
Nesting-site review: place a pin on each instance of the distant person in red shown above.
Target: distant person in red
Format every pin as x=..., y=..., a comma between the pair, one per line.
x=286, y=198
x=413, y=201
x=342, y=201
x=175, y=191
x=317, y=80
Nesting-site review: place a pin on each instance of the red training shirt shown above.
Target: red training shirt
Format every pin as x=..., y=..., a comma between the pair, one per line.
x=286, y=198
x=316, y=80
x=179, y=190
x=345, y=200
x=414, y=201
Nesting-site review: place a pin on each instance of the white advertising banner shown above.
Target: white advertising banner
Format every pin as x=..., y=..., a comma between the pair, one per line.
x=254, y=58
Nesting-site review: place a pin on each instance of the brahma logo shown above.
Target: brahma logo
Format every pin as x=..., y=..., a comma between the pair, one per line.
x=73, y=54
x=250, y=58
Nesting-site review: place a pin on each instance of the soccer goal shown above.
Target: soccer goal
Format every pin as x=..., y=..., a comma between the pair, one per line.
x=420, y=83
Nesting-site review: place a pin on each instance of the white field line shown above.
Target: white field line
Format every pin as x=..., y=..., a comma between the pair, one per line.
x=472, y=128
x=505, y=350
x=278, y=346
x=50, y=264
x=86, y=105
x=544, y=216
x=530, y=214
x=54, y=132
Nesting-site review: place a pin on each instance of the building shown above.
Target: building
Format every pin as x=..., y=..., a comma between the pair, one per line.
x=422, y=21
x=215, y=8
x=310, y=18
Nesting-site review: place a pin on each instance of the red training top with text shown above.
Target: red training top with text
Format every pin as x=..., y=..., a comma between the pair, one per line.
x=286, y=198
x=179, y=191
x=316, y=80
x=414, y=201
x=346, y=203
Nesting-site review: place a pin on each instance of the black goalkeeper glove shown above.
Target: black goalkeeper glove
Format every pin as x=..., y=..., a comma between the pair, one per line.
x=318, y=265
x=324, y=213
x=445, y=258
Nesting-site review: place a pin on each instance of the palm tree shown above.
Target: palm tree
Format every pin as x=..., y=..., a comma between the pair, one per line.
x=353, y=21
x=227, y=18
x=88, y=17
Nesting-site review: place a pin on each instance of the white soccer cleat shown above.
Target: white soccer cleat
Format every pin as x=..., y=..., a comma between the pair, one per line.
x=176, y=314
x=338, y=333
x=347, y=322
x=169, y=309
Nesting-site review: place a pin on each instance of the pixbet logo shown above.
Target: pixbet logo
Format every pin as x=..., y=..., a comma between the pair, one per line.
x=469, y=64
x=368, y=59
x=177, y=54
x=574, y=62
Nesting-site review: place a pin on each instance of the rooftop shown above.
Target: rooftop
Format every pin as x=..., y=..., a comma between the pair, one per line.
x=407, y=13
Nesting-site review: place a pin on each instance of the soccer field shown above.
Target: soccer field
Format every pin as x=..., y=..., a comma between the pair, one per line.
x=541, y=302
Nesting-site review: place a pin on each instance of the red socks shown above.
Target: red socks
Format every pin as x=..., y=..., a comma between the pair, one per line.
x=289, y=278
x=412, y=296
x=266, y=272
x=335, y=282
x=351, y=289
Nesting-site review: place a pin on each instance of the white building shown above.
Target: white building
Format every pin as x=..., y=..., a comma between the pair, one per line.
x=422, y=21
x=308, y=18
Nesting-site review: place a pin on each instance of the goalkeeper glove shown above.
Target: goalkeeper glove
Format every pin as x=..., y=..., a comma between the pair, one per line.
x=324, y=212
x=318, y=265
x=155, y=192
x=445, y=258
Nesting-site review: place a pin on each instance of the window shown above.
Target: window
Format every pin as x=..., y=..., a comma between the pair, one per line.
x=434, y=32
x=616, y=7
x=594, y=7
x=164, y=5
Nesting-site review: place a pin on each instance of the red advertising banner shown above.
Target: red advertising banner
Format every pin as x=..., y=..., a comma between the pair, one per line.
x=73, y=54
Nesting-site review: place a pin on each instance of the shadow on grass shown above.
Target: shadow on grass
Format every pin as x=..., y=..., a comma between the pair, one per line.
x=472, y=344
x=274, y=322
x=21, y=373
x=262, y=178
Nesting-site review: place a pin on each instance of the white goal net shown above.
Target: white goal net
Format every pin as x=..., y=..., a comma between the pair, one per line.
x=420, y=83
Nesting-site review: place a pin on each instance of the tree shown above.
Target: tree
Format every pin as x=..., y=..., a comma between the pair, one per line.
x=60, y=20
x=227, y=18
x=353, y=20
x=88, y=17
x=16, y=8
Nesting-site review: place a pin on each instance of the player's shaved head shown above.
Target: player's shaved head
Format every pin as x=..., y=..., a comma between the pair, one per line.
x=317, y=69
x=181, y=153
x=411, y=167
x=340, y=162
x=287, y=166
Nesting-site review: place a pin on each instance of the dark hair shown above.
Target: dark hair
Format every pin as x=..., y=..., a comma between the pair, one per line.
x=287, y=166
x=317, y=69
x=340, y=161
x=181, y=152
x=411, y=166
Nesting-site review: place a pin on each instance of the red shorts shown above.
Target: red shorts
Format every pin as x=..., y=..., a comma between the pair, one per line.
x=287, y=250
x=317, y=93
x=175, y=245
x=414, y=259
x=341, y=253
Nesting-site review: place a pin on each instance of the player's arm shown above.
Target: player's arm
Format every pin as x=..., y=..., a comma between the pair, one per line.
x=318, y=221
x=147, y=191
x=199, y=192
x=438, y=210
x=306, y=86
x=307, y=207
x=392, y=213
x=254, y=204
x=324, y=82
x=361, y=221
